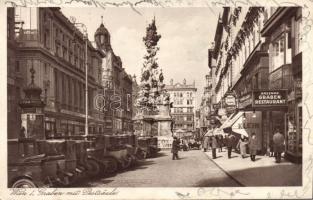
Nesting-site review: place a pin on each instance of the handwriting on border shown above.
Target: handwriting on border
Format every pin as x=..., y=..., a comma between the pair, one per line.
x=57, y=192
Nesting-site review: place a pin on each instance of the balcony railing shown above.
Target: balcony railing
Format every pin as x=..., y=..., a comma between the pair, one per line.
x=27, y=35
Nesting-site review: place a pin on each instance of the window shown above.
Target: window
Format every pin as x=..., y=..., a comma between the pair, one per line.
x=46, y=68
x=57, y=50
x=256, y=81
x=278, y=53
x=64, y=53
x=17, y=66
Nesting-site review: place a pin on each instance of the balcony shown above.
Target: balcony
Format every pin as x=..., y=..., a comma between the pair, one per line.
x=29, y=38
x=281, y=78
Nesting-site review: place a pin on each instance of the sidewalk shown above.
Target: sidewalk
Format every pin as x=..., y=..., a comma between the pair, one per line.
x=263, y=172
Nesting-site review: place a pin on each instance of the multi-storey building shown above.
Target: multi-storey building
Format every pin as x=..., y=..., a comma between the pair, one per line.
x=205, y=105
x=183, y=97
x=258, y=70
x=117, y=87
x=57, y=50
x=14, y=81
x=283, y=32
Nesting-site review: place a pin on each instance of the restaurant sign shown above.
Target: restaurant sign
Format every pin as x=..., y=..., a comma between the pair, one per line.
x=270, y=98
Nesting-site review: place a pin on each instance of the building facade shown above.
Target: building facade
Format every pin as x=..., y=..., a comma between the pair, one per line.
x=258, y=69
x=117, y=87
x=51, y=45
x=14, y=76
x=206, y=106
x=183, y=97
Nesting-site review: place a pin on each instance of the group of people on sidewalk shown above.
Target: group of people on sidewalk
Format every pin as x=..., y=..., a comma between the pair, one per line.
x=230, y=142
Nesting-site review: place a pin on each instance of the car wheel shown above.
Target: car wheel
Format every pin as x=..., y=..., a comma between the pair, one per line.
x=93, y=168
x=23, y=183
x=112, y=165
x=128, y=161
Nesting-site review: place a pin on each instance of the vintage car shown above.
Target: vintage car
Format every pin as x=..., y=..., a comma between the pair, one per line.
x=149, y=145
x=54, y=147
x=153, y=145
x=116, y=149
x=143, y=143
x=136, y=152
x=28, y=168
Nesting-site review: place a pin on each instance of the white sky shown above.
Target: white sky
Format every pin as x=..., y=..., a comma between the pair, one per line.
x=186, y=33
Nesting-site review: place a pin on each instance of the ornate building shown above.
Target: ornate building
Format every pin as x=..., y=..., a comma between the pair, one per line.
x=52, y=45
x=183, y=97
x=117, y=87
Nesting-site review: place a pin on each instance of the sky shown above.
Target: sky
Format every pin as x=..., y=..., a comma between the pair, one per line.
x=186, y=35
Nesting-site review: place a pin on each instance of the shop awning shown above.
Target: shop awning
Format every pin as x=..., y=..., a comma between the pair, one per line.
x=235, y=123
x=218, y=131
x=241, y=132
x=231, y=120
x=209, y=133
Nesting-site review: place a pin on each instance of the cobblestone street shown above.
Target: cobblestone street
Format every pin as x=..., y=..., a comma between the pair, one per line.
x=193, y=169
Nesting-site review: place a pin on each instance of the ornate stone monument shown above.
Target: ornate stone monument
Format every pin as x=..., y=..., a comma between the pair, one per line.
x=153, y=118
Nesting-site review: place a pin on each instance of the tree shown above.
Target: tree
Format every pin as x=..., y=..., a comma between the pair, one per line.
x=151, y=86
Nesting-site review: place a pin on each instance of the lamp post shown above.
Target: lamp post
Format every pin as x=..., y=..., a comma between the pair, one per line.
x=83, y=26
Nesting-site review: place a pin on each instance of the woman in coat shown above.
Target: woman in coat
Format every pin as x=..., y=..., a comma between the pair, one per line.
x=253, y=145
x=242, y=145
x=214, y=146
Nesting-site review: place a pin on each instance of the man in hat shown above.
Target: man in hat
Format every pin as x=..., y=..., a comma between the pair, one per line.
x=175, y=148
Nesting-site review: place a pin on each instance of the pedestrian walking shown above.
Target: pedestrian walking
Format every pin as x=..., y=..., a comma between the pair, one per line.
x=214, y=146
x=278, y=142
x=253, y=146
x=219, y=139
x=175, y=148
x=230, y=142
x=210, y=143
x=271, y=147
x=242, y=145
x=205, y=143
x=22, y=132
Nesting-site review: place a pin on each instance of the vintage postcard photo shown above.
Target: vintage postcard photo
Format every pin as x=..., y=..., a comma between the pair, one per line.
x=156, y=100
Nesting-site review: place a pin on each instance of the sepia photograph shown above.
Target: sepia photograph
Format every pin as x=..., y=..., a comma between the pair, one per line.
x=156, y=97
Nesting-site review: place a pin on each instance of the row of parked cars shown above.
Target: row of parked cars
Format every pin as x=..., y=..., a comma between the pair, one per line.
x=62, y=161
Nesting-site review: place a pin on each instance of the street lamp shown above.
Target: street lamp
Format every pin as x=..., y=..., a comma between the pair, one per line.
x=83, y=26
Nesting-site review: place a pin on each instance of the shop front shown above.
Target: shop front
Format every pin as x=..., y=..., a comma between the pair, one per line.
x=245, y=123
x=263, y=112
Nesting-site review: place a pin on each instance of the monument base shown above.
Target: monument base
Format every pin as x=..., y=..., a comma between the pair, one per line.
x=165, y=142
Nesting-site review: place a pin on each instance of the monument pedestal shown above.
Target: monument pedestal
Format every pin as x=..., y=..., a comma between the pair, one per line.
x=156, y=124
x=164, y=120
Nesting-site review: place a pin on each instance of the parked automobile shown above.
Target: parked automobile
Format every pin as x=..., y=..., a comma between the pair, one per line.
x=28, y=168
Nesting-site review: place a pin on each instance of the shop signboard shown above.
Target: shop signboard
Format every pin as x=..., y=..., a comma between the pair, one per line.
x=216, y=106
x=269, y=98
x=230, y=100
x=298, y=87
x=245, y=100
